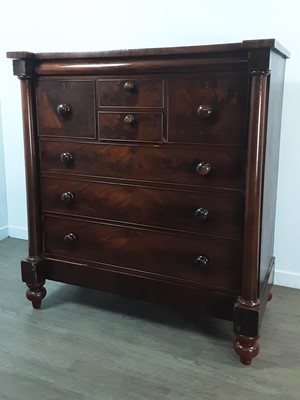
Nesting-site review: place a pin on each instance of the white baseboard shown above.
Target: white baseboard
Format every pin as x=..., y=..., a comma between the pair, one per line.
x=17, y=232
x=288, y=279
x=3, y=232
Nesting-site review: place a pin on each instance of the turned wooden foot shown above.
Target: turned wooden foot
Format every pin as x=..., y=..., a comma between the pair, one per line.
x=247, y=348
x=35, y=293
x=270, y=297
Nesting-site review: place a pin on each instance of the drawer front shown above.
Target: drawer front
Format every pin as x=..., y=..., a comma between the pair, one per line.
x=66, y=108
x=191, y=259
x=131, y=126
x=130, y=93
x=208, y=109
x=173, y=209
x=159, y=163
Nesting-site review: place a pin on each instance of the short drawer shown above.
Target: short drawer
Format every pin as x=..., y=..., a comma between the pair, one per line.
x=172, y=209
x=135, y=126
x=207, y=262
x=66, y=108
x=207, y=167
x=130, y=93
x=208, y=109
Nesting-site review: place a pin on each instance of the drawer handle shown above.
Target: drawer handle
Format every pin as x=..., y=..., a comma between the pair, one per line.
x=201, y=213
x=203, y=168
x=129, y=85
x=70, y=238
x=129, y=119
x=202, y=261
x=67, y=197
x=66, y=158
x=64, y=110
x=204, y=111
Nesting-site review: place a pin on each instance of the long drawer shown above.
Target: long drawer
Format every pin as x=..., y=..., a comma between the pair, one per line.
x=212, y=263
x=207, y=166
x=174, y=209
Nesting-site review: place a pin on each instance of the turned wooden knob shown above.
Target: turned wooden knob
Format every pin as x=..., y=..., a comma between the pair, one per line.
x=201, y=213
x=129, y=85
x=204, y=111
x=70, y=238
x=202, y=261
x=64, y=110
x=129, y=119
x=67, y=197
x=66, y=158
x=203, y=168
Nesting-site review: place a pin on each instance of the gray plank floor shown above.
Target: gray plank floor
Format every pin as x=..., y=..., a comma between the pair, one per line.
x=85, y=344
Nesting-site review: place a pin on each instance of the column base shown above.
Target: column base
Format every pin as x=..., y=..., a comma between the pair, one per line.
x=247, y=348
x=35, y=293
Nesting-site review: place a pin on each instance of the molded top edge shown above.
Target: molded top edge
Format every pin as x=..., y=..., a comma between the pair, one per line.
x=165, y=51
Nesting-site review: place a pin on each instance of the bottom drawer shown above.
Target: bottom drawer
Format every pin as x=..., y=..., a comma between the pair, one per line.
x=201, y=261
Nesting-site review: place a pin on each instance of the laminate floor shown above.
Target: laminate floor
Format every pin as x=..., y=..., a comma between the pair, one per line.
x=84, y=344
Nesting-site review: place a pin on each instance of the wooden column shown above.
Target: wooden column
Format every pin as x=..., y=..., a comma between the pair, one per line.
x=33, y=266
x=246, y=313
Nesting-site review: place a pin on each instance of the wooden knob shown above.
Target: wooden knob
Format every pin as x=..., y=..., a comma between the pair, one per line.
x=66, y=158
x=204, y=111
x=70, y=238
x=129, y=85
x=201, y=213
x=64, y=110
x=203, y=168
x=129, y=119
x=202, y=261
x=67, y=197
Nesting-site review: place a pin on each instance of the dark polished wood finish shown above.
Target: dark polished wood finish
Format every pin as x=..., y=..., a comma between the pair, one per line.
x=61, y=111
x=35, y=293
x=209, y=108
x=152, y=173
x=131, y=93
x=165, y=51
x=173, y=255
x=138, y=126
x=247, y=348
x=167, y=164
x=184, y=210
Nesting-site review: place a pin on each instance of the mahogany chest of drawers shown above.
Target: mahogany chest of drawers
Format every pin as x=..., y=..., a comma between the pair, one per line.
x=152, y=174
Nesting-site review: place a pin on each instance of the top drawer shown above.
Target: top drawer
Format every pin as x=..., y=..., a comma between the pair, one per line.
x=208, y=109
x=130, y=93
x=66, y=108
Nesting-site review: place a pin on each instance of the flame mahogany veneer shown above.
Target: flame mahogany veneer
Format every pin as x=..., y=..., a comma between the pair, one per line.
x=152, y=173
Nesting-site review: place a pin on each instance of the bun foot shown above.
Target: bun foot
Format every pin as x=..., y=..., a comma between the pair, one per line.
x=270, y=297
x=247, y=348
x=35, y=293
